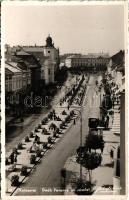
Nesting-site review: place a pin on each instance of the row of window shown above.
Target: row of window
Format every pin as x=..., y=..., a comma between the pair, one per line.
x=89, y=61
x=16, y=83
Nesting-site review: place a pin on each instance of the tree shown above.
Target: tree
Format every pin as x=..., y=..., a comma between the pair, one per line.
x=92, y=160
x=33, y=159
x=15, y=180
x=94, y=142
x=89, y=160
x=24, y=171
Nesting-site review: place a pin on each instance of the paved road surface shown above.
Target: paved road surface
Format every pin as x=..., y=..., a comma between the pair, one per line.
x=47, y=173
x=17, y=131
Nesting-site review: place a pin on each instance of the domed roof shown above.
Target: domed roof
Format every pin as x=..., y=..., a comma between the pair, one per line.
x=49, y=38
x=49, y=41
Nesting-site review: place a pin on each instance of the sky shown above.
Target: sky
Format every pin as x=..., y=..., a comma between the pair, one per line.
x=76, y=29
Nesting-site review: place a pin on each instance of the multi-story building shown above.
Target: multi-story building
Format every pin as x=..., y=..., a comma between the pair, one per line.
x=27, y=69
x=118, y=62
x=52, y=61
x=26, y=74
x=13, y=84
x=116, y=74
x=17, y=76
x=33, y=66
x=13, y=77
x=17, y=81
x=46, y=59
x=87, y=61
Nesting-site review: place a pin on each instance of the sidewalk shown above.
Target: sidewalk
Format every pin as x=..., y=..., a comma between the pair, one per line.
x=103, y=175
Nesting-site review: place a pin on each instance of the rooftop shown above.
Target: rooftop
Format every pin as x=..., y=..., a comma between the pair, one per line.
x=22, y=53
x=89, y=56
x=33, y=48
x=12, y=67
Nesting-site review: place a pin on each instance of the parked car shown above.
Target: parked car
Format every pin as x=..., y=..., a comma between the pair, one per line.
x=93, y=123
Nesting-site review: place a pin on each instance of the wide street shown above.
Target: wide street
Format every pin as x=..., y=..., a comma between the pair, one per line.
x=46, y=176
x=16, y=131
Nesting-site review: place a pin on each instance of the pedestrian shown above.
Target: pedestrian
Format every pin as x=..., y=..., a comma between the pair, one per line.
x=12, y=158
x=102, y=148
x=117, y=101
x=104, y=122
x=107, y=122
x=35, y=146
x=36, y=138
x=74, y=121
x=112, y=118
x=54, y=127
x=33, y=143
x=113, y=103
x=15, y=158
x=30, y=150
x=111, y=154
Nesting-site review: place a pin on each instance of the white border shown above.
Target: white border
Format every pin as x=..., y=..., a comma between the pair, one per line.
x=54, y=3
x=61, y=2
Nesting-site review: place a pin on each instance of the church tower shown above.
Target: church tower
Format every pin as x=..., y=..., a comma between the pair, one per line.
x=51, y=63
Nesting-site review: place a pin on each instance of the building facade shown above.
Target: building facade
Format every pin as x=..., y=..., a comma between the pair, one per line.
x=13, y=77
x=46, y=57
x=27, y=69
x=87, y=61
x=17, y=83
x=49, y=71
x=116, y=75
x=51, y=64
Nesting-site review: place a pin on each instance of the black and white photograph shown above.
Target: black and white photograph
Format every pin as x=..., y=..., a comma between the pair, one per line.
x=64, y=69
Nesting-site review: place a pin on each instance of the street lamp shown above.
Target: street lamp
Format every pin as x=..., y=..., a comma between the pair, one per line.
x=80, y=112
x=100, y=96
